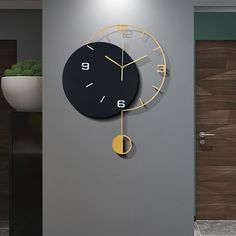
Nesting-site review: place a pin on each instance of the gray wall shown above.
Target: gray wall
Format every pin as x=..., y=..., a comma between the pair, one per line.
x=21, y=4
x=25, y=26
x=88, y=190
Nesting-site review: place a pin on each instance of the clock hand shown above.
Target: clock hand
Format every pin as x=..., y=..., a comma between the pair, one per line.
x=113, y=61
x=139, y=59
x=122, y=60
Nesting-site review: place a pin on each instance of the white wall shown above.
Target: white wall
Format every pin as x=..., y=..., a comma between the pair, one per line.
x=87, y=189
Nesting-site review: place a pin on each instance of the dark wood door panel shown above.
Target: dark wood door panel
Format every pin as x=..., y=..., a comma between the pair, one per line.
x=8, y=53
x=216, y=113
x=26, y=175
x=8, y=56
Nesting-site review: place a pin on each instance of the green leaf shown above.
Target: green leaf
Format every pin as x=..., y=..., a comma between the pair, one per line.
x=25, y=68
x=27, y=73
x=8, y=72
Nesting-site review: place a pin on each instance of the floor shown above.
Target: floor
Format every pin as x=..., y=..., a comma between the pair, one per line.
x=215, y=228
x=4, y=229
x=202, y=228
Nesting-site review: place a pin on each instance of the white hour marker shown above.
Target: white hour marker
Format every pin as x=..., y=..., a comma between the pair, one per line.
x=157, y=89
x=108, y=39
x=102, y=99
x=141, y=101
x=141, y=35
x=90, y=47
x=88, y=85
x=155, y=49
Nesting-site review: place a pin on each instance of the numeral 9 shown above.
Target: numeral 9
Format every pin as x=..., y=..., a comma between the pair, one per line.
x=85, y=66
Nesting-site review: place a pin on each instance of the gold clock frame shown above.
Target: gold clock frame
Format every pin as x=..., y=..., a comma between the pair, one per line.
x=161, y=69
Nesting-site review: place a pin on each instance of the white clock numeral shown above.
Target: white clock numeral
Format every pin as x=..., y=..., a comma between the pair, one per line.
x=128, y=34
x=85, y=66
x=122, y=28
x=121, y=103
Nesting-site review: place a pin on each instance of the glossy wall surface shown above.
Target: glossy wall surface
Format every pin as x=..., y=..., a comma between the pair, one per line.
x=88, y=190
x=25, y=26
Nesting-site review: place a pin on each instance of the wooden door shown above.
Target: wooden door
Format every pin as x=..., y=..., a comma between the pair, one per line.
x=26, y=174
x=216, y=114
x=8, y=53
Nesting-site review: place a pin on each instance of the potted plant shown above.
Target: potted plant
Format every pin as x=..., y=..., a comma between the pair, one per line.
x=22, y=86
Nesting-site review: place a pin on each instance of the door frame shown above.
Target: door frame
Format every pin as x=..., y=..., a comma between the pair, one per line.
x=211, y=7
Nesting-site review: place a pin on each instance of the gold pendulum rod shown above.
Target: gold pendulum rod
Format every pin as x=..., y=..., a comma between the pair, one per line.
x=118, y=145
x=122, y=122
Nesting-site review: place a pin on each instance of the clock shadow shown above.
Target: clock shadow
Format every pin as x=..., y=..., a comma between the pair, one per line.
x=143, y=62
x=160, y=95
x=148, y=107
x=131, y=154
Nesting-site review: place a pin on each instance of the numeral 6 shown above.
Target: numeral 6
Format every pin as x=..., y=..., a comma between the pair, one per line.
x=121, y=103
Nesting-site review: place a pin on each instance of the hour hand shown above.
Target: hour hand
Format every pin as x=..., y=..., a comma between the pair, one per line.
x=108, y=58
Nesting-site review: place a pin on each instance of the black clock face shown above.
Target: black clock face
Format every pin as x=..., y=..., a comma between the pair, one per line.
x=96, y=82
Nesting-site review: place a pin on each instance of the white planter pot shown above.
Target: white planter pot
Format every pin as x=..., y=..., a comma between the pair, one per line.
x=24, y=93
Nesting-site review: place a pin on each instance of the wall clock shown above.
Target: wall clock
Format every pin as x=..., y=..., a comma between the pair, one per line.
x=121, y=69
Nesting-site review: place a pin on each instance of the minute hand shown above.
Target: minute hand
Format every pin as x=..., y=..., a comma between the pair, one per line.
x=139, y=59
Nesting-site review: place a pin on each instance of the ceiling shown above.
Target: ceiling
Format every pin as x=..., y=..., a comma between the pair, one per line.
x=20, y=4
